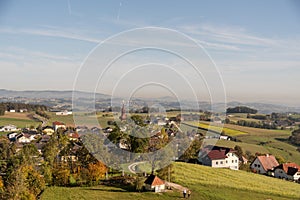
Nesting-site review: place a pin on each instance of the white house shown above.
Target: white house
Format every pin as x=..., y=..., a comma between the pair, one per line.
x=219, y=157
x=25, y=138
x=8, y=128
x=12, y=111
x=153, y=183
x=288, y=171
x=48, y=130
x=65, y=112
x=224, y=137
x=264, y=164
x=12, y=136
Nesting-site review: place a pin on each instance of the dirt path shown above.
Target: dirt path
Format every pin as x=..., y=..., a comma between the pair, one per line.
x=176, y=186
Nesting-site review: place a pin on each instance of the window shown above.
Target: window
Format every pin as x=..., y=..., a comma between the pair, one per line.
x=226, y=161
x=235, y=161
x=258, y=165
x=221, y=162
x=217, y=163
x=255, y=165
x=232, y=161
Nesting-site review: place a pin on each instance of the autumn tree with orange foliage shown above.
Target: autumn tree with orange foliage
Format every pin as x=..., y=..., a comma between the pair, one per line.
x=96, y=171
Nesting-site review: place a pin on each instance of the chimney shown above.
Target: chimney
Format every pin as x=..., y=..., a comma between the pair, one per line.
x=267, y=155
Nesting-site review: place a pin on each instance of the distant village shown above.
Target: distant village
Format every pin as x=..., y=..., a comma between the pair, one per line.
x=208, y=155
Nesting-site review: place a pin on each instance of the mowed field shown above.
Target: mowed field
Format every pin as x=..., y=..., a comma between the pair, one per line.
x=206, y=183
x=87, y=120
x=21, y=120
x=257, y=140
x=226, y=130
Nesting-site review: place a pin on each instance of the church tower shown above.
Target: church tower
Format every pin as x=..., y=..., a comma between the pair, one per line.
x=123, y=112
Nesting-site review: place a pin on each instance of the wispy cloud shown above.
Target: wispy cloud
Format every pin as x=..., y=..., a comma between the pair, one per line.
x=227, y=35
x=58, y=33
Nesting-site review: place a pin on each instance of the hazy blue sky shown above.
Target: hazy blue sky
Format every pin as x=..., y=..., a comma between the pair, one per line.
x=255, y=44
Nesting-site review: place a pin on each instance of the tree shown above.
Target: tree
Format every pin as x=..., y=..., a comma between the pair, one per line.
x=238, y=151
x=192, y=151
x=295, y=137
x=24, y=183
x=138, y=120
x=96, y=171
x=241, y=109
x=1, y=184
x=167, y=173
x=61, y=175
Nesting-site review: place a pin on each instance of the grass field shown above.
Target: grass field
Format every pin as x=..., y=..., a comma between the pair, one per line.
x=18, y=119
x=84, y=120
x=210, y=183
x=205, y=183
x=102, y=192
x=226, y=130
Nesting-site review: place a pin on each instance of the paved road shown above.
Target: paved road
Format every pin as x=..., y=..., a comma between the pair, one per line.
x=132, y=166
x=42, y=119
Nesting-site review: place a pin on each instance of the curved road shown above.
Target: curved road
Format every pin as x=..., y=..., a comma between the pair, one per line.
x=132, y=166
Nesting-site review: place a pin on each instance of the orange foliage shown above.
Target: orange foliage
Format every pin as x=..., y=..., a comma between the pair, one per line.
x=97, y=171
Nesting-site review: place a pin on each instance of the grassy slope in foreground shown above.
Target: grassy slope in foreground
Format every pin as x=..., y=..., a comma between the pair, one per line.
x=212, y=183
x=205, y=182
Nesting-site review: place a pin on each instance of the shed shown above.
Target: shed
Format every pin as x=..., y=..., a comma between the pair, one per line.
x=153, y=183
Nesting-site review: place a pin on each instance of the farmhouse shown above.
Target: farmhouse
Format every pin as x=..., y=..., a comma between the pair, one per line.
x=153, y=183
x=8, y=128
x=288, y=171
x=57, y=125
x=48, y=130
x=219, y=157
x=65, y=113
x=25, y=138
x=264, y=164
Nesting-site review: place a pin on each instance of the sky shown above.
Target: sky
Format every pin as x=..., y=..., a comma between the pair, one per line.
x=253, y=47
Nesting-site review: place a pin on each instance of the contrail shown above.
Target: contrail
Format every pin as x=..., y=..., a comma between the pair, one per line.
x=69, y=7
x=118, y=17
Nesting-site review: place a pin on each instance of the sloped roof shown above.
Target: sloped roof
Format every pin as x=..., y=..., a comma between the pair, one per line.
x=58, y=123
x=216, y=152
x=268, y=162
x=154, y=180
x=289, y=168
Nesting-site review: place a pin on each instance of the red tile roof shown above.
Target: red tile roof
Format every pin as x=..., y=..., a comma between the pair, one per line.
x=58, y=123
x=268, y=162
x=289, y=168
x=216, y=152
x=154, y=180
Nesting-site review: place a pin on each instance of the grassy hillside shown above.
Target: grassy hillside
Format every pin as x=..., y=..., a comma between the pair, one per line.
x=258, y=140
x=226, y=130
x=205, y=183
x=210, y=183
x=102, y=192
x=21, y=120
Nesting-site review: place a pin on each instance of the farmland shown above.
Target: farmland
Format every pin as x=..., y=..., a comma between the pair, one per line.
x=21, y=120
x=225, y=130
x=204, y=182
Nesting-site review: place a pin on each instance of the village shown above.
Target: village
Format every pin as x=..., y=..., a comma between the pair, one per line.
x=61, y=148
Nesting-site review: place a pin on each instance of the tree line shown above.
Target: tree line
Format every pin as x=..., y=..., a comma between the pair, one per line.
x=24, y=174
x=6, y=106
x=241, y=109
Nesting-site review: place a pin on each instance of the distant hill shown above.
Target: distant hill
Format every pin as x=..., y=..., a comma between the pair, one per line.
x=167, y=102
x=48, y=94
